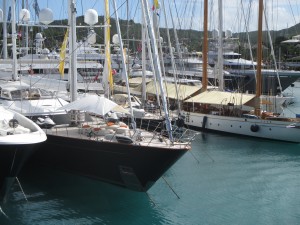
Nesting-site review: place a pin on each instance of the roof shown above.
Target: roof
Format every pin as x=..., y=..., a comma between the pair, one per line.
x=184, y=91
x=221, y=98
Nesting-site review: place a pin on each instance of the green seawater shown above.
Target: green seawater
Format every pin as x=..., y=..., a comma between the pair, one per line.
x=224, y=180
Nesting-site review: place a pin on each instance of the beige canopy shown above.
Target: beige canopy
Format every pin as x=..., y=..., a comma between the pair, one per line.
x=221, y=98
x=184, y=91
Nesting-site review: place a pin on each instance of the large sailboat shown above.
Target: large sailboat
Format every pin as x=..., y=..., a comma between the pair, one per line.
x=95, y=144
x=19, y=138
x=239, y=113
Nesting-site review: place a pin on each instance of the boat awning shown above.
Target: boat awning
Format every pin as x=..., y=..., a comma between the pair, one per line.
x=184, y=91
x=221, y=98
x=94, y=104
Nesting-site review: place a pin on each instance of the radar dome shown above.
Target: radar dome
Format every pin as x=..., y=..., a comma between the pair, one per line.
x=115, y=39
x=38, y=36
x=24, y=15
x=91, y=39
x=46, y=16
x=45, y=51
x=91, y=17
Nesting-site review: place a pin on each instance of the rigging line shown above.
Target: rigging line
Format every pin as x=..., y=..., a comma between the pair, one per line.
x=246, y=18
x=272, y=52
x=176, y=10
x=81, y=7
x=151, y=200
x=3, y=213
x=19, y=183
x=183, y=13
x=194, y=157
x=292, y=11
x=114, y=12
x=193, y=14
x=170, y=187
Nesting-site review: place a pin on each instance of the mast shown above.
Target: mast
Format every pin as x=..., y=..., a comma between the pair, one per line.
x=72, y=50
x=150, y=55
x=220, y=43
x=205, y=48
x=157, y=68
x=4, y=31
x=172, y=57
x=124, y=63
x=259, y=59
x=14, y=39
x=108, y=81
x=143, y=60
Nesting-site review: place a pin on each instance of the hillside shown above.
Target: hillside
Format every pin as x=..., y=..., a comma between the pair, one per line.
x=190, y=38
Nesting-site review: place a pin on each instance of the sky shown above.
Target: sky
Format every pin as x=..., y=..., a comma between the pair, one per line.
x=188, y=14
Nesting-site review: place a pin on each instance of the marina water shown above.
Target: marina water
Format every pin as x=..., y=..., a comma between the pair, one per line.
x=224, y=180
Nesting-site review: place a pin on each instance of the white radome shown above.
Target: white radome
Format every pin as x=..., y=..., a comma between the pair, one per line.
x=91, y=17
x=46, y=16
x=24, y=15
x=115, y=39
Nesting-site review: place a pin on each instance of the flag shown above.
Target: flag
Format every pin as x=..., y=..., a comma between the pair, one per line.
x=62, y=54
x=155, y=5
x=139, y=47
x=36, y=7
x=9, y=14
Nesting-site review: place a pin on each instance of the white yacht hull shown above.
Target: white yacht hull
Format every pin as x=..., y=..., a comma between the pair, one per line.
x=260, y=128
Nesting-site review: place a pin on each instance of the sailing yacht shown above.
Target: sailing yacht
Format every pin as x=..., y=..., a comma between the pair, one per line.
x=19, y=138
x=239, y=113
x=94, y=143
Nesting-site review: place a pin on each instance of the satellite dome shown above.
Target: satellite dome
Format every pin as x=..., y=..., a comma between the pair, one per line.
x=115, y=39
x=91, y=17
x=46, y=16
x=45, y=51
x=91, y=38
x=38, y=36
x=24, y=15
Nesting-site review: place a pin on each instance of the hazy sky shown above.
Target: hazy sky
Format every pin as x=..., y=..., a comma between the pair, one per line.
x=189, y=13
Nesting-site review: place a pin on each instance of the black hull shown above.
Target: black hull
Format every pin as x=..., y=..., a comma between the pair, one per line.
x=270, y=86
x=12, y=159
x=130, y=166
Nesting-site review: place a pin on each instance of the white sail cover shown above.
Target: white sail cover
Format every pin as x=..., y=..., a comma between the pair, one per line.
x=94, y=104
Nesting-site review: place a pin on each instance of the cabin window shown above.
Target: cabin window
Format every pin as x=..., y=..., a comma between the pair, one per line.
x=45, y=92
x=16, y=94
x=5, y=94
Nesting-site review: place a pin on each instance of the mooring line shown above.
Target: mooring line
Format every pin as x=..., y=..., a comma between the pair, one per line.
x=170, y=187
x=21, y=189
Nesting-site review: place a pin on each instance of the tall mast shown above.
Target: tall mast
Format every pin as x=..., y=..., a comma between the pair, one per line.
x=124, y=63
x=220, y=49
x=4, y=30
x=14, y=39
x=108, y=81
x=72, y=50
x=259, y=59
x=157, y=68
x=143, y=58
x=205, y=48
